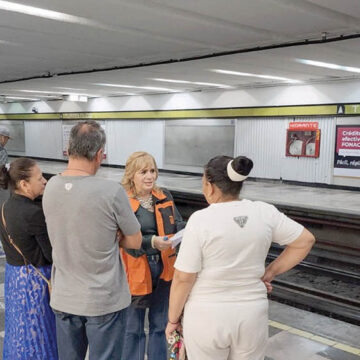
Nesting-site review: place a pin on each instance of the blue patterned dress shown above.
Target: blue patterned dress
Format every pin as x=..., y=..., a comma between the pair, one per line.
x=29, y=321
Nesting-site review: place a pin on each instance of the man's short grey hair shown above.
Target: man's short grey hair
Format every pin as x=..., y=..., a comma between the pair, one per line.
x=86, y=139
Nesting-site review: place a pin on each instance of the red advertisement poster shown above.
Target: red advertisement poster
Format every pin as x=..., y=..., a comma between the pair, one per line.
x=347, y=151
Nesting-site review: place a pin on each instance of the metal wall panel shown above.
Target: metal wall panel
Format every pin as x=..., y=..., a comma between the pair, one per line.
x=43, y=138
x=263, y=140
x=126, y=136
x=191, y=143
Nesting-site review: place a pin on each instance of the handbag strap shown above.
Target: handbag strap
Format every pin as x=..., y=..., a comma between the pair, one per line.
x=11, y=241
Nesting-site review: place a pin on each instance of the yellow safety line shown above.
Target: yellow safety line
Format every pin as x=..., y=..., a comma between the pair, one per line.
x=274, y=111
x=305, y=334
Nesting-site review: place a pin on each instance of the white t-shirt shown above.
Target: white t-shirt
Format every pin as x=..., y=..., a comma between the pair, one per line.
x=227, y=244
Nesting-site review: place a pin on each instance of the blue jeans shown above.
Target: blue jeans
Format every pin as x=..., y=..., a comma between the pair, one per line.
x=134, y=347
x=103, y=334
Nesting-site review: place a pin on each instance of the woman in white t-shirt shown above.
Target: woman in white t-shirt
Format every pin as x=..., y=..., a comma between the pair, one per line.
x=220, y=274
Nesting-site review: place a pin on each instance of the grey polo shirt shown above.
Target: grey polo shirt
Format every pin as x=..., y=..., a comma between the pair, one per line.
x=82, y=215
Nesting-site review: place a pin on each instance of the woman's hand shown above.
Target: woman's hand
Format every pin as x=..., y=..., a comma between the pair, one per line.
x=161, y=242
x=267, y=278
x=170, y=328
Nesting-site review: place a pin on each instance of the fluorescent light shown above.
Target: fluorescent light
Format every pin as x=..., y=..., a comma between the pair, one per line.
x=21, y=98
x=67, y=88
x=172, y=81
x=44, y=13
x=237, y=73
x=42, y=92
x=78, y=98
x=137, y=87
x=213, y=84
x=56, y=92
x=193, y=82
x=328, y=65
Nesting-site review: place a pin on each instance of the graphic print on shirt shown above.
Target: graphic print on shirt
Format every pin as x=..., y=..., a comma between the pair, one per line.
x=241, y=220
x=68, y=186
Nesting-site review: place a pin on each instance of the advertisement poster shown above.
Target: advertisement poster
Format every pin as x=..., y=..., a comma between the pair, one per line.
x=347, y=151
x=303, y=139
x=66, y=129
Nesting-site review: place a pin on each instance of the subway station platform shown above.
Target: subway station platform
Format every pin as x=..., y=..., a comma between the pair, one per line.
x=294, y=334
x=323, y=200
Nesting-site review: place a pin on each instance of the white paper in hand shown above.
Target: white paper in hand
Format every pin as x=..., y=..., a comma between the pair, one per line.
x=176, y=239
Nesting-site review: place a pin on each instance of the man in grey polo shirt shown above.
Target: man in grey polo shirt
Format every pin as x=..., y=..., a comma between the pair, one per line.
x=83, y=214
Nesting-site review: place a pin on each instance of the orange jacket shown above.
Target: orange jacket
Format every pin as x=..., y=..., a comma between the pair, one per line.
x=137, y=268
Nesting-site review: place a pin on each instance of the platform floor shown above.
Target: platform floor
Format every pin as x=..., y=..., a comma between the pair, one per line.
x=305, y=197
x=294, y=334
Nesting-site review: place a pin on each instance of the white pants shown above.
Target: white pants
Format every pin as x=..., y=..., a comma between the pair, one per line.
x=226, y=331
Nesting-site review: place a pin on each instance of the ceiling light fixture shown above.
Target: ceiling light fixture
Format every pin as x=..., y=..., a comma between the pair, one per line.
x=45, y=13
x=67, y=88
x=270, y=77
x=137, y=87
x=193, y=82
x=56, y=92
x=328, y=65
x=21, y=98
x=75, y=97
x=172, y=81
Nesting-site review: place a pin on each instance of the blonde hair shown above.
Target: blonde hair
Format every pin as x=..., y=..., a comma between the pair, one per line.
x=137, y=161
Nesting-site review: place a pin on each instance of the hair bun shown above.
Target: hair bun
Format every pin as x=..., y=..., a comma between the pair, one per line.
x=239, y=168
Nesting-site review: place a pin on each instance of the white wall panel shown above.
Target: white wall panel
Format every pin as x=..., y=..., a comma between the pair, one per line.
x=43, y=139
x=263, y=140
x=126, y=136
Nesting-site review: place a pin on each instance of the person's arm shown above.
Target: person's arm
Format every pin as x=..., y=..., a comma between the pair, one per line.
x=293, y=253
x=179, y=292
x=130, y=241
x=37, y=228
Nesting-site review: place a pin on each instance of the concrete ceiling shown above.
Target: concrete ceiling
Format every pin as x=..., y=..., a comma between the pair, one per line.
x=49, y=49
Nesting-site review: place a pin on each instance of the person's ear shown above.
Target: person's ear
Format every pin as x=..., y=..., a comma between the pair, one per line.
x=99, y=155
x=24, y=186
x=210, y=189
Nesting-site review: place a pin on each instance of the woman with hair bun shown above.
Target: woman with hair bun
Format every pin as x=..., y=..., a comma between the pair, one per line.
x=220, y=276
x=29, y=321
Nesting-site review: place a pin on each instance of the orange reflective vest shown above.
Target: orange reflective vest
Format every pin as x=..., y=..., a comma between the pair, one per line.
x=137, y=268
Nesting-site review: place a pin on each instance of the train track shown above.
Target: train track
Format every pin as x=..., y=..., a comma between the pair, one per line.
x=296, y=293
x=315, y=300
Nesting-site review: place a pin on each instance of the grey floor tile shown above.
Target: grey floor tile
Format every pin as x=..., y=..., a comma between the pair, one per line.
x=273, y=331
x=286, y=346
x=315, y=323
x=336, y=354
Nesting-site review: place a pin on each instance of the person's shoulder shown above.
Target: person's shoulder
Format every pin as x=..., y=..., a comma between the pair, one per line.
x=106, y=186
x=265, y=209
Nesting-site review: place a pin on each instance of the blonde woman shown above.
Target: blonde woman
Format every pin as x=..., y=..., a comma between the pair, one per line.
x=151, y=268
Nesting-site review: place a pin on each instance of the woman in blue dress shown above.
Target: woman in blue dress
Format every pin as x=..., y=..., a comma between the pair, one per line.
x=29, y=321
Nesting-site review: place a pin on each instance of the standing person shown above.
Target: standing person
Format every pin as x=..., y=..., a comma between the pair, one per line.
x=149, y=269
x=4, y=138
x=220, y=272
x=29, y=320
x=83, y=214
